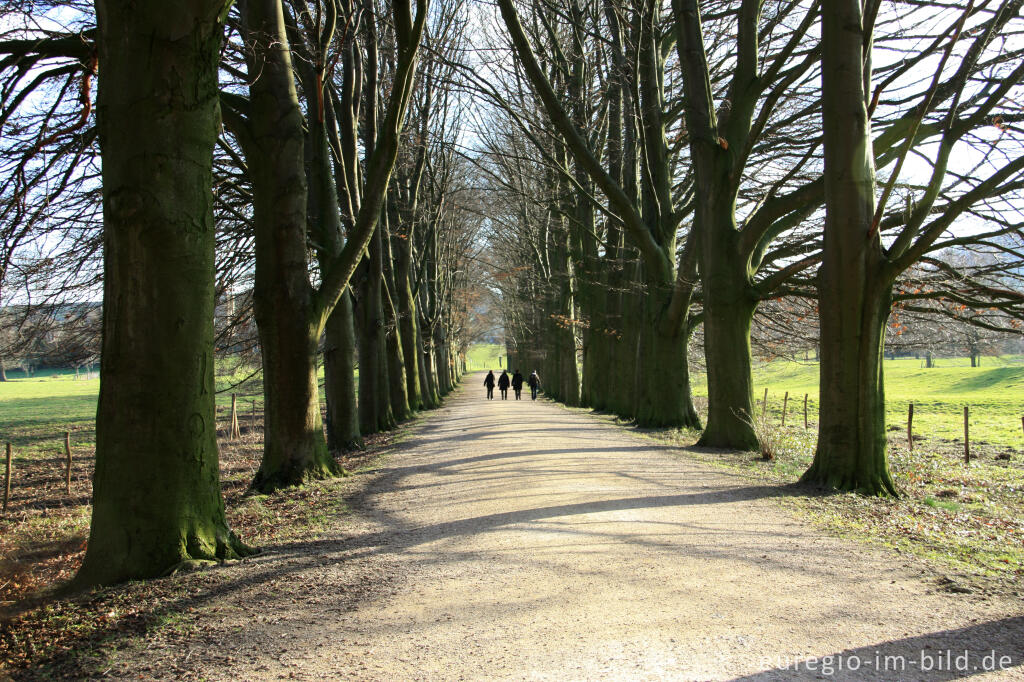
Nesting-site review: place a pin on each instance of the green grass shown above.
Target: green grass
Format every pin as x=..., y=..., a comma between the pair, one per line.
x=35, y=412
x=481, y=356
x=994, y=392
x=939, y=504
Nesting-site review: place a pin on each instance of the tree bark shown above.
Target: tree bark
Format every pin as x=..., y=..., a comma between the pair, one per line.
x=663, y=396
x=724, y=267
x=375, y=412
x=854, y=293
x=156, y=491
x=728, y=312
x=339, y=378
x=408, y=324
x=287, y=319
x=397, y=383
x=428, y=380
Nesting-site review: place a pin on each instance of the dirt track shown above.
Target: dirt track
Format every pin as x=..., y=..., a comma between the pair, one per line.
x=521, y=540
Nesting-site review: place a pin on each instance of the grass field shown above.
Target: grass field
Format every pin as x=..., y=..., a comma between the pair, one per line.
x=481, y=356
x=36, y=411
x=994, y=392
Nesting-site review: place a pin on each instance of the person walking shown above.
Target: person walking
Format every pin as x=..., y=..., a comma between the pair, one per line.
x=534, y=382
x=503, y=383
x=489, y=383
x=517, y=384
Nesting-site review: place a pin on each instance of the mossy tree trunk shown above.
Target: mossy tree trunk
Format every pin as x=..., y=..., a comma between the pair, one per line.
x=327, y=192
x=269, y=127
x=714, y=147
x=728, y=312
x=156, y=489
x=721, y=140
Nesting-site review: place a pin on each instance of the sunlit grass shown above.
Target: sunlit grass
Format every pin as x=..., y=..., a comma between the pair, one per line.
x=482, y=356
x=994, y=392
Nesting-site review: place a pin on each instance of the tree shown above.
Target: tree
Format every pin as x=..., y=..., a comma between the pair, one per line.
x=290, y=312
x=663, y=397
x=157, y=501
x=866, y=250
x=722, y=143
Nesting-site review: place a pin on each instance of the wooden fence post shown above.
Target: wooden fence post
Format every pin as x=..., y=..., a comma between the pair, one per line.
x=252, y=419
x=910, y=426
x=764, y=403
x=67, y=458
x=785, y=406
x=7, y=485
x=234, y=432
x=805, y=410
x=967, y=436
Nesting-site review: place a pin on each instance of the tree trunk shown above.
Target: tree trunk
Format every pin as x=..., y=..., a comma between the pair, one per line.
x=432, y=393
x=663, y=394
x=294, y=448
x=428, y=385
x=156, y=489
x=398, y=391
x=565, y=330
x=626, y=319
x=339, y=378
x=728, y=311
x=398, y=387
x=851, y=431
x=408, y=321
x=854, y=294
x=444, y=384
x=594, y=389
x=375, y=412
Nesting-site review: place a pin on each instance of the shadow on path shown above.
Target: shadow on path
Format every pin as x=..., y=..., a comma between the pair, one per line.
x=989, y=647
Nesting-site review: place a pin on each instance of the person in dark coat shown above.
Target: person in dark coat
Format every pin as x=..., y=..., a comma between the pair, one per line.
x=517, y=384
x=503, y=383
x=489, y=383
x=534, y=382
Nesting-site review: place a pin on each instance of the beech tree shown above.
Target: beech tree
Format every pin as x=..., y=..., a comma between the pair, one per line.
x=722, y=141
x=156, y=490
x=663, y=396
x=290, y=312
x=973, y=85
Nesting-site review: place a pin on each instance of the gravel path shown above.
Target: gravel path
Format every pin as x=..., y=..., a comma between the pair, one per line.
x=519, y=540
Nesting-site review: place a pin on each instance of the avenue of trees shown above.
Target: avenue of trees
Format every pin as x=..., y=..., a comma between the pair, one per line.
x=279, y=182
x=671, y=169
x=643, y=184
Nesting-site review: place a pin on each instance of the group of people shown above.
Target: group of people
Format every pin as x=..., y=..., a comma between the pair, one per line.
x=515, y=381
